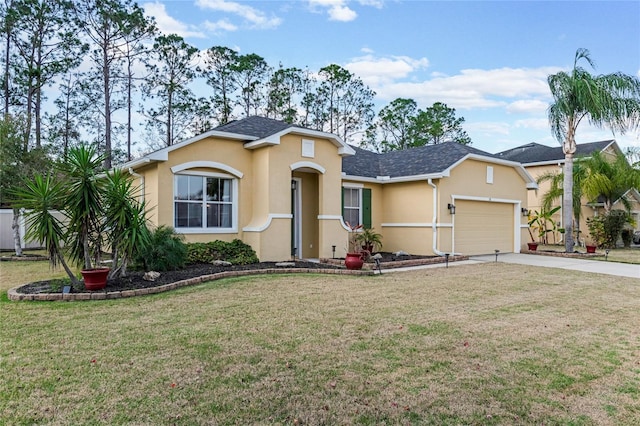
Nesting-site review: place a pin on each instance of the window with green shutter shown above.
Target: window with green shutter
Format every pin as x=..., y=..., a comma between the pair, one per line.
x=356, y=206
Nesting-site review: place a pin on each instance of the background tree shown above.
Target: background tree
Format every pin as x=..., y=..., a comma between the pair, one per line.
x=438, y=124
x=393, y=129
x=284, y=85
x=611, y=100
x=8, y=16
x=218, y=72
x=250, y=73
x=342, y=103
x=107, y=24
x=608, y=180
x=16, y=165
x=48, y=46
x=64, y=123
x=171, y=68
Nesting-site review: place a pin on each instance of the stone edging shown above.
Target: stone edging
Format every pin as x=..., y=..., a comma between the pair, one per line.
x=562, y=254
x=402, y=263
x=103, y=295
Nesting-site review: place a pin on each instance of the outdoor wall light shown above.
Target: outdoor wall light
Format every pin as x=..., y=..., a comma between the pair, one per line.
x=333, y=252
x=524, y=211
x=452, y=208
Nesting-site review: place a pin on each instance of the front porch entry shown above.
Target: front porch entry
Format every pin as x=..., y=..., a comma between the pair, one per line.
x=304, y=212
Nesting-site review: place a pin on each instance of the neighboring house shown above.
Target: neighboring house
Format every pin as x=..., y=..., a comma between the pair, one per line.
x=284, y=190
x=540, y=159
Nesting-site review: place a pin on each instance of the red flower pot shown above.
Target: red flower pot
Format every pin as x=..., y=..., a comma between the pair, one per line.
x=353, y=261
x=591, y=249
x=95, y=279
x=532, y=246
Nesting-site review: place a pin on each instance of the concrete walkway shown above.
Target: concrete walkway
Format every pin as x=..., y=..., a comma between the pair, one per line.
x=584, y=265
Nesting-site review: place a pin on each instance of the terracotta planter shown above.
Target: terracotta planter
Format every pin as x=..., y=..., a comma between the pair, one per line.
x=591, y=249
x=95, y=279
x=353, y=261
x=532, y=246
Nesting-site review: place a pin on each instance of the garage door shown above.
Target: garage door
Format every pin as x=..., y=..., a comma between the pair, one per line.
x=481, y=227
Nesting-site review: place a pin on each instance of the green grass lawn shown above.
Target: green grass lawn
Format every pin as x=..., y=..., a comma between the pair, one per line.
x=480, y=344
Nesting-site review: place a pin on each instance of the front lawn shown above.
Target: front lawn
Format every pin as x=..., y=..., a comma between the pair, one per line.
x=479, y=344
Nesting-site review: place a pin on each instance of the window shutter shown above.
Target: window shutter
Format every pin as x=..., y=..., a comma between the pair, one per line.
x=366, y=207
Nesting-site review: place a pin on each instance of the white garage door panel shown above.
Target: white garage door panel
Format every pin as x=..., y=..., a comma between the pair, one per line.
x=482, y=227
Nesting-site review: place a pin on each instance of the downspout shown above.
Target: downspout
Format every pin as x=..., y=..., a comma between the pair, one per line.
x=139, y=176
x=435, y=218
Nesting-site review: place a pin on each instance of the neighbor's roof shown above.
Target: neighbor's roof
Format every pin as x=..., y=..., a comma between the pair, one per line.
x=429, y=159
x=532, y=153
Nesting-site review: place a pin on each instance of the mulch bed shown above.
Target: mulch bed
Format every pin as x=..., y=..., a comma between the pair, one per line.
x=134, y=280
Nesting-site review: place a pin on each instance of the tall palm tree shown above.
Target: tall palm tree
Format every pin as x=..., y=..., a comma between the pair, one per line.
x=611, y=100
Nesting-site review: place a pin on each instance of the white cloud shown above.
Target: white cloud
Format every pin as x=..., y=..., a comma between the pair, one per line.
x=168, y=24
x=255, y=17
x=378, y=72
x=336, y=9
x=529, y=106
x=532, y=123
x=488, y=128
x=220, y=25
x=373, y=3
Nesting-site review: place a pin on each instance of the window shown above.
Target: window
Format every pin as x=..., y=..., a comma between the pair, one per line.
x=204, y=202
x=356, y=206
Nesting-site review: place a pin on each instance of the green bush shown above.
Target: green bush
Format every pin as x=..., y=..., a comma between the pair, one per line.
x=627, y=236
x=166, y=251
x=235, y=252
x=606, y=229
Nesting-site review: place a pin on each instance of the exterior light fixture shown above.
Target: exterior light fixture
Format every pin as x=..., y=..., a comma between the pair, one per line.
x=333, y=252
x=452, y=208
x=497, y=251
x=524, y=211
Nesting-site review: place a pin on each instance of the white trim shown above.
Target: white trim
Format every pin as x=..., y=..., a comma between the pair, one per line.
x=163, y=154
x=352, y=185
x=406, y=225
x=274, y=139
x=308, y=148
x=329, y=217
x=267, y=223
x=386, y=179
x=307, y=164
x=489, y=199
x=206, y=165
x=490, y=175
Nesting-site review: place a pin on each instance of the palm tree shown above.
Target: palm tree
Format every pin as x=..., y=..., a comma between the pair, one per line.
x=611, y=100
x=556, y=191
x=608, y=180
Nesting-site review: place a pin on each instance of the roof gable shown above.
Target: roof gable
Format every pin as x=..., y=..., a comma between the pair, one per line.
x=533, y=153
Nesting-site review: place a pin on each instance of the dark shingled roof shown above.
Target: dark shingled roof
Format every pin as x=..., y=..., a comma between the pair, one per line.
x=537, y=153
x=408, y=162
x=260, y=127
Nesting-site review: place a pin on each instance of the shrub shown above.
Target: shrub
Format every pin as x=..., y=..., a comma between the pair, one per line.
x=235, y=252
x=627, y=236
x=166, y=251
x=606, y=229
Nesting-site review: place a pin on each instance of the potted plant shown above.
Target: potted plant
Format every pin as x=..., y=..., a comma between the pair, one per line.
x=353, y=259
x=369, y=240
x=99, y=209
x=538, y=223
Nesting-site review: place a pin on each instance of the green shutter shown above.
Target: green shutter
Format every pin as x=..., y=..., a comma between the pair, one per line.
x=366, y=207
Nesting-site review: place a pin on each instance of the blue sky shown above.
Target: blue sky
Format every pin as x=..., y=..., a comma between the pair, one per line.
x=488, y=60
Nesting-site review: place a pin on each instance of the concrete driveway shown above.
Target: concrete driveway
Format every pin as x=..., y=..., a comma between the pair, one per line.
x=585, y=265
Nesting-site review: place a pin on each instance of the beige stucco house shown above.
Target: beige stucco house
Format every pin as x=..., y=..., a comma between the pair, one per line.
x=288, y=191
x=541, y=159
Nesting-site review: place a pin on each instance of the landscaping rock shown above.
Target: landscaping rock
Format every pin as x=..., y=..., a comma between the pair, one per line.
x=221, y=263
x=400, y=253
x=285, y=264
x=151, y=276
